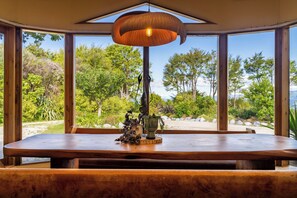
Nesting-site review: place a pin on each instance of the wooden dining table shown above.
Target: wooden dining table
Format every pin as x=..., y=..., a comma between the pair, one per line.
x=252, y=151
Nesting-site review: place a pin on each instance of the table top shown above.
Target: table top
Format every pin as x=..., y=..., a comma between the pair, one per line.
x=174, y=146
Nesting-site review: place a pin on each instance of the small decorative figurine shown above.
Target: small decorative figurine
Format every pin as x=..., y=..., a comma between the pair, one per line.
x=132, y=130
x=151, y=124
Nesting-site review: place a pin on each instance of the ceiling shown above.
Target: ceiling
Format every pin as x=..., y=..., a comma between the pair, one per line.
x=225, y=15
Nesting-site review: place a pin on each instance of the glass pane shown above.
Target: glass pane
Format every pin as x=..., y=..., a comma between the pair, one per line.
x=293, y=86
x=251, y=82
x=106, y=81
x=43, y=84
x=1, y=92
x=184, y=87
x=293, y=81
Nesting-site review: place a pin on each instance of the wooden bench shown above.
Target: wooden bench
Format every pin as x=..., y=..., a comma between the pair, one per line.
x=146, y=183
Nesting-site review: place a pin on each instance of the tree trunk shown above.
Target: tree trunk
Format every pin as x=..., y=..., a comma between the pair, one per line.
x=194, y=89
x=234, y=99
x=99, y=109
x=122, y=93
x=210, y=88
x=125, y=91
x=214, y=90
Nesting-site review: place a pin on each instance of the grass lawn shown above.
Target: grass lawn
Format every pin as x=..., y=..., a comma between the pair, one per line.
x=55, y=129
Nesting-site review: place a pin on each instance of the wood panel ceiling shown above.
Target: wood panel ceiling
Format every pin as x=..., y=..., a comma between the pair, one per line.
x=226, y=15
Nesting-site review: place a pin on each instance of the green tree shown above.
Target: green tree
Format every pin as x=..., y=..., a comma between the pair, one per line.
x=185, y=106
x=261, y=95
x=128, y=60
x=175, y=74
x=38, y=37
x=42, y=85
x=52, y=73
x=33, y=93
x=196, y=61
x=235, y=77
x=293, y=73
x=210, y=73
x=96, y=77
x=257, y=67
x=156, y=103
x=182, y=72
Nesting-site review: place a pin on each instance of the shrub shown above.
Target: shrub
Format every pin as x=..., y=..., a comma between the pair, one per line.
x=115, y=106
x=293, y=123
x=88, y=119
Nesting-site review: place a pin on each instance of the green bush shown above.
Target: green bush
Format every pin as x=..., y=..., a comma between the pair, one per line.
x=115, y=106
x=242, y=113
x=184, y=105
x=205, y=105
x=87, y=119
x=114, y=120
x=156, y=104
x=293, y=122
x=168, y=108
x=29, y=111
x=261, y=97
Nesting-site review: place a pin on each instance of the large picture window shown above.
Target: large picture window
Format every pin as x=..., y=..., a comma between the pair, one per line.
x=106, y=81
x=251, y=82
x=293, y=83
x=184, y=83
x=43, y=84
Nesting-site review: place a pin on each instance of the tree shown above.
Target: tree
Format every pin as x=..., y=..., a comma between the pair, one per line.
x=174, y=74
x=42, y=87
x=182, y=72
x=210, y=73
x=38, y=37
x=96, y=77
x=128, y=60
x=156, y=103
x=257, y=67
x=52, y=74
x=293, y=73
x=261, y=95
x=196, y=61
x=235, y=76
x=33, y=93
x=270, y=67
x=99, y=84
x=185, y=106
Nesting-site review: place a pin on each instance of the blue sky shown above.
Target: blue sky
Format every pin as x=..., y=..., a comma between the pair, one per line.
x=244, y=45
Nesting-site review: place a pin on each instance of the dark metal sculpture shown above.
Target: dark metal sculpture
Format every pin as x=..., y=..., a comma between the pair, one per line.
x=132, y=130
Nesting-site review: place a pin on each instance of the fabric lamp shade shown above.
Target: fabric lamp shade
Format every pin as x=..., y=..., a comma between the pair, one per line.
x=147, y=29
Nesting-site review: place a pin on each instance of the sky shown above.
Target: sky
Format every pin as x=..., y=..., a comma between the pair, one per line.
x=243, y=45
